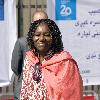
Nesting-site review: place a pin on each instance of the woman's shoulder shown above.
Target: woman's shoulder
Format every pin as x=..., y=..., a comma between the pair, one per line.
x=31, y=56
x=69, y=57
x=61, y=56
x=29, y=52
x=64, y=54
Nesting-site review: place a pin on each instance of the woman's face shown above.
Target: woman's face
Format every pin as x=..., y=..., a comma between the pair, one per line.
x=42, y=38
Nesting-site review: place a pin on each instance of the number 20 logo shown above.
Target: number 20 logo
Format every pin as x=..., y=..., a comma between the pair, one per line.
x=65, y=11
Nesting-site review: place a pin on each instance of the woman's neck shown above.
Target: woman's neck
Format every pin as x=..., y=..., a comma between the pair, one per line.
x=41, y=57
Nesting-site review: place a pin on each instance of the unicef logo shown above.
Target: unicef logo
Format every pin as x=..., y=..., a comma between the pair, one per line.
x=65, y=11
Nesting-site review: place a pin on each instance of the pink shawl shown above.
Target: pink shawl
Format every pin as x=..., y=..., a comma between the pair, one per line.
x=61, y=75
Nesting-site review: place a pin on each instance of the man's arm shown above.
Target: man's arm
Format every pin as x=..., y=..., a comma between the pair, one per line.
x=17, y=58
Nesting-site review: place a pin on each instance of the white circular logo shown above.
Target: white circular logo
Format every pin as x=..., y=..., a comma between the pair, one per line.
x=65, y=11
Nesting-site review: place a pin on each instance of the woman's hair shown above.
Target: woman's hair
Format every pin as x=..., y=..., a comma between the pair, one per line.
x=57, y=44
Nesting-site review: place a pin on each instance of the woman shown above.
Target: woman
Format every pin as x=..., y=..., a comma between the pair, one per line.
x=50, y=73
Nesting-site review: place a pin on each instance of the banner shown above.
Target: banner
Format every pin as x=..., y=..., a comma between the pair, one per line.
x=79, y=22
x=8, y=37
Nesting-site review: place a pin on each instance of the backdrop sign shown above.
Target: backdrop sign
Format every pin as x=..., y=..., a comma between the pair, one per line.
x=8, y=37
x=79, y=22
x=65, y=9
x=1, y=9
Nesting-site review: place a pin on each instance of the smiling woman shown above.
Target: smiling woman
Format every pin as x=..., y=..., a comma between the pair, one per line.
x=42, y=38
x=49, y=72
x=44, y=34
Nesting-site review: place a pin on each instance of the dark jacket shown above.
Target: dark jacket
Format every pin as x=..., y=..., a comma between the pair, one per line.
x=18, y=56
